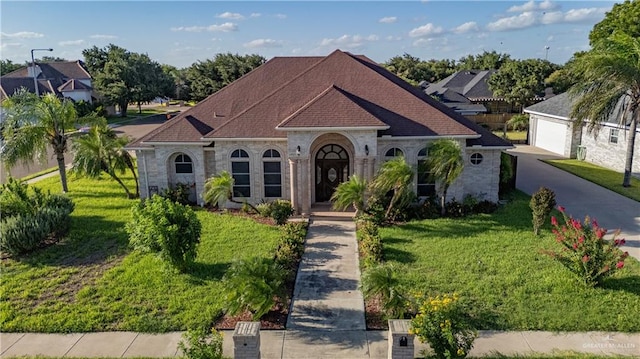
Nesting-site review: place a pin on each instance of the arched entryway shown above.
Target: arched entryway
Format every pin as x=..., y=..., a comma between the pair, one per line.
x=332, y=168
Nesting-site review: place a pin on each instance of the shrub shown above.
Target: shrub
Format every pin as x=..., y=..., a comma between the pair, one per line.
x=585, y=252
x=541, y=204
x=168, y=228
x=27, y=220
x=381, y=280
x=444, y=323
x=486, y=206
x=264, y=209
x=369, y=242
x=427, y=209
x=178, y=193
x=291, y=246
x=253, y=285
x=201, y=344
x=281, y=210
x=455, y=209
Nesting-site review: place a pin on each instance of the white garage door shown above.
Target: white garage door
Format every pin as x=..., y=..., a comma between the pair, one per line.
x=551, y=136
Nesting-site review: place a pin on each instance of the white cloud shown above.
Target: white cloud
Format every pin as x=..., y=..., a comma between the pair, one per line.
x=466, y=27
x=71, y=43
x=526, y=19
x=553, y=17
x=281, y=16
x=21, y=35
x=533, y=5
x=226, y=27
x=230, y=16
x=426, y=31
x=14, y=45
x=349, y=41
x=577, y=15
x=262, y=43
x=550, y=38
x=103, y=37
x=388, y=20
x=255, y=14
x=393, y=38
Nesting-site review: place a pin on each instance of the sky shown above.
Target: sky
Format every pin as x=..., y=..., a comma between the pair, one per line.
x=180, y=33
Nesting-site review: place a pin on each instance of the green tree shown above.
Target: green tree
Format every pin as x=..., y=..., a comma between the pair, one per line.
x=7, y=66
x=206, y=77
x=608, y=88
x=101, y=150
x=350, y=193
x=519, y=122
x=382, y=280
x=445, y=164
x=520, y=81
x=623, y=17
x=484, y=61
x=409, y=68
x=34, y=123
x=395, y=176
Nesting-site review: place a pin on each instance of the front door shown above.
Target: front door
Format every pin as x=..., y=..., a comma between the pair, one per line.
x=332, y=168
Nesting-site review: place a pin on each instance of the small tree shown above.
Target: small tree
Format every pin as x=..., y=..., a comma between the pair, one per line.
x=541, y=204
x=382, y=280
x=168, y=228
x=394, y=176
x=349, y=193
x=519, y=122
x=445, y=165
x=219, y=189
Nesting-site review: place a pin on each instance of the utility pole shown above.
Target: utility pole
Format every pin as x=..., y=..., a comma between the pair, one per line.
x=33, y=64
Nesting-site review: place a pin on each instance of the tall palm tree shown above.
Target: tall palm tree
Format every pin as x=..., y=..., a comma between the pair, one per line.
x=608, y=87
x=101, y=150
x=395, y=175
x=218, y=189
x=34, y=123
x=445, y=165
x=349, y=193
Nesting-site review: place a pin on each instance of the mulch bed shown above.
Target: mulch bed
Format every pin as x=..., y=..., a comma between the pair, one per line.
x=374, y=318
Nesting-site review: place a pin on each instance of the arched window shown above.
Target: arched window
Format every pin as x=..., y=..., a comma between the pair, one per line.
x=183, y=164
x=272, y=170
x=476, y=158
x=394, y=152
x=426, y=187
x=241, y=173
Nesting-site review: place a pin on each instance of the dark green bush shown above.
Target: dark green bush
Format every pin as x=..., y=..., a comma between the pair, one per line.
x=455, y=209
x=369, y=242
x=291, y=246
x=30, y=219
x=178, y=193
x=281, y=210
x=168, y=228
x=541, y=204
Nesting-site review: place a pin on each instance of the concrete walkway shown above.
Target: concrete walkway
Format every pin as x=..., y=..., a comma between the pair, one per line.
x=280, y=344
x=580, y=197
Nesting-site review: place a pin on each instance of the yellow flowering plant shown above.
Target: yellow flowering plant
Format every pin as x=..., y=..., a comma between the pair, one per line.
x=443, y=322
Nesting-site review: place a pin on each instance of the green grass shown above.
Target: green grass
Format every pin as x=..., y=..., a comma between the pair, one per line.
x=91, y=281
x=604, y=177
x=495, y=261
x=38, y=174
x=513, y=135
x=133, y=113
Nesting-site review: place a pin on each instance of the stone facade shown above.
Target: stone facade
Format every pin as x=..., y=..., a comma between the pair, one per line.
x=366, y=152
x=600, y=150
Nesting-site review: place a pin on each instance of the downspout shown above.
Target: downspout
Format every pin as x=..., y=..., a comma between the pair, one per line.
x=146, y=174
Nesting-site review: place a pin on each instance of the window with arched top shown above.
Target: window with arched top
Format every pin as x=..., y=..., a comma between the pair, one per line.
x=394, y=152
x=272, y=172
x=426, y=187
x=183, y=164
x=240, y=170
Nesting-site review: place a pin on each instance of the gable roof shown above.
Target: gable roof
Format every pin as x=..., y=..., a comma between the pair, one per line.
x=53, y=78
x=339, y=90
x=73, y=85
x=557, y=106
x=472, y=84
x=55, y=70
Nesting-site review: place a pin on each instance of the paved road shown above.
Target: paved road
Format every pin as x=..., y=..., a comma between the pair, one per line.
x=578, y=196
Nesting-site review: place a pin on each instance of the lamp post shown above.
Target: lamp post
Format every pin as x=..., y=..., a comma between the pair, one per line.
x=33, y=64
x=546, y=52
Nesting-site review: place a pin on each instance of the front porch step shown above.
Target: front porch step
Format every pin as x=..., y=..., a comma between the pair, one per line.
x=324, y=212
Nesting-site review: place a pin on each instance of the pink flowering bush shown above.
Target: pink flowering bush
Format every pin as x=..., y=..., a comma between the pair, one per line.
x=585, y=251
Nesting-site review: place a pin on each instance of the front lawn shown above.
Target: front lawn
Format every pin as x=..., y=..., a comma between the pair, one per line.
x=604, y=177
x=92, y=282
x=495, y=261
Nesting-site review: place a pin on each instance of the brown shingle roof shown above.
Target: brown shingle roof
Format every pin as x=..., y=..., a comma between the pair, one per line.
x=339, y=90
x=55, y=70
x=73, y=85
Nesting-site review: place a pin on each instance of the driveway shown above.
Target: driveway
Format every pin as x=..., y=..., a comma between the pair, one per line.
x=578, y=196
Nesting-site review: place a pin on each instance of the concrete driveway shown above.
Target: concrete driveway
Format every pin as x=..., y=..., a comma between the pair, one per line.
x=578, y=196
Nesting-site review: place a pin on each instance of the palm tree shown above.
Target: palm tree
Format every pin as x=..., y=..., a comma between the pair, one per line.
x=32, y=123
x=219, y=188
x=101, y=150
x=382, y=280
x=349, y=193
x=609, y=87
x=445, y=165
x=395, y=175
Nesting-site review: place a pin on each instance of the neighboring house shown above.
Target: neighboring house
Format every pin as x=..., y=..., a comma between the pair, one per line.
x=468, y=90
x=66, y=79
x=551, y=128
x=296, y=127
